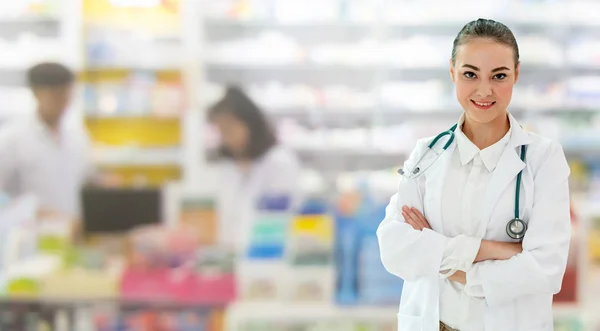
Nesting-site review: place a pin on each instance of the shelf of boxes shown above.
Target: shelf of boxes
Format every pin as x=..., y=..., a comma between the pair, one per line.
x=134, y=90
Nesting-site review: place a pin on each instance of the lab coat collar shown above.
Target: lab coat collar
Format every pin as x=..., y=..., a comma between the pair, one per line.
x=466, y=149
x=489, y=156
x=519, y=136
x=45, y=132
x=516, y=136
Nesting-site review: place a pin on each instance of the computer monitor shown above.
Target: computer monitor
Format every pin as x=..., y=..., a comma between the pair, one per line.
x=118, y=210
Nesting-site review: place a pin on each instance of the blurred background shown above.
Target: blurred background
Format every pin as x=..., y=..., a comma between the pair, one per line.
x=317, y=103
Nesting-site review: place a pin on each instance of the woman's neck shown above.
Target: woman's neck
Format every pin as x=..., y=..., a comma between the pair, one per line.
x=244, y=164
x=484, y=135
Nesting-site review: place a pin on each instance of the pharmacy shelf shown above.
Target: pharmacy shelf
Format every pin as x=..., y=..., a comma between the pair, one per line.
x=129, y=67
x=12, y=76
x=344, y=30
x=391, y=116
x=133, y=156
x=375, y=152
x=241, y=312
x=361, y=74
x=40, y=26
x=92, y=302
x=289, y=312
x=130, y=115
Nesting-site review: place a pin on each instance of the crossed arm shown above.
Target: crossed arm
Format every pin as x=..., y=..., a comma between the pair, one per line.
x=488, y=250
x=496, y=272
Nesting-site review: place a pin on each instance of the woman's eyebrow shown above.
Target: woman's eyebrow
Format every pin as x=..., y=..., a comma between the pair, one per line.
x=477, y=69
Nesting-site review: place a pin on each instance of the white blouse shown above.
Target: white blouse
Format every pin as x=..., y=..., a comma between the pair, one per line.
x=466, y=182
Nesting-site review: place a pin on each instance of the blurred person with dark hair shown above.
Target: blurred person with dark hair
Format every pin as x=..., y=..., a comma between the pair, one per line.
x=44, y=154
x=255, y=164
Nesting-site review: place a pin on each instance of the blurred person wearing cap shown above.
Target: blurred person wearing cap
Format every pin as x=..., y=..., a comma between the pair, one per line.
x=254, y=164
x=44, y=154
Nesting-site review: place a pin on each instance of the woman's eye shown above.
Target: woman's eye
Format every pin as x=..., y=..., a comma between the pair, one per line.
x=469, y=75
x=499, y=76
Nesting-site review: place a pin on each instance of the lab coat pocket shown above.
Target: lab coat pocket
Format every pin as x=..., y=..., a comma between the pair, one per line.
x=410, y=323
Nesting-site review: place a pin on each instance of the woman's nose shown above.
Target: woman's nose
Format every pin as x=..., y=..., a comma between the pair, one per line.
x=484, y=89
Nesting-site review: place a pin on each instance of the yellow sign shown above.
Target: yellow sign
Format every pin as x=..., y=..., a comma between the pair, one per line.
x=160, y=16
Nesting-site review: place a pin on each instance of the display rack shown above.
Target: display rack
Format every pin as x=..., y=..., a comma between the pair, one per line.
x=134, y=101
x=66, y=315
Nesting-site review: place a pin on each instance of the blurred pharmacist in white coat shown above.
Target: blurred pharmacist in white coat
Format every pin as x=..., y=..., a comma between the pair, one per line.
x=254, y=164
x=43, y=154
x=481, y=233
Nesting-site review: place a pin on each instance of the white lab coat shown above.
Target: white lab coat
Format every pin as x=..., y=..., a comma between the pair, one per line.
x=519, y=291
x=276, y=172
x=53, y=169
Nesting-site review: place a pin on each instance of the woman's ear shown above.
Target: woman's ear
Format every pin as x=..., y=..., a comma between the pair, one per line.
x=517, y=71
x=452, y=71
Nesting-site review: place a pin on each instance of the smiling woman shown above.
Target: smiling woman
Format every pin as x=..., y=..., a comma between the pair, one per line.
x=484, y=68
x=480, y=231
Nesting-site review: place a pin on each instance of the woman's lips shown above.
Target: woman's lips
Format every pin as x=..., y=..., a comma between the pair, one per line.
x=483, y=104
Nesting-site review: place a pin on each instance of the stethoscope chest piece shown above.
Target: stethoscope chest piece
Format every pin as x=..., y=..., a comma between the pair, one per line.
x=516, y=228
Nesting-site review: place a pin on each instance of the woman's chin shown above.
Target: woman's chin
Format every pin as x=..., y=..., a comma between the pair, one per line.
x=484, y=116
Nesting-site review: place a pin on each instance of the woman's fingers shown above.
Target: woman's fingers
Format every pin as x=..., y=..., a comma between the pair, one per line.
x=413, y=217
x=421, y=218
x=409, y=220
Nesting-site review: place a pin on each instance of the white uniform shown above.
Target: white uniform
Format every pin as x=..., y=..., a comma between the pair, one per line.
x=52, y=167
x=468, y=195
x=277, y=172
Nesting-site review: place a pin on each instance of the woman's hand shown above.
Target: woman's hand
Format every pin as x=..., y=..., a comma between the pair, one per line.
x=414, y=217
x=497, y=250
x=490, y=250
x=459, y=277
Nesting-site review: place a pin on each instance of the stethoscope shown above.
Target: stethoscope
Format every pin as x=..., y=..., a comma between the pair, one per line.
x=516, y=227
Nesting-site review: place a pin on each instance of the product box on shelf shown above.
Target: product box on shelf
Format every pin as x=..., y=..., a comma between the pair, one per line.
x=170, y=265
x=362, y=278
x=310, y=284
x=86, y=273
x=570, y=284
x=200, y=214
x=80, y=284
x=152, y=319
x=178, y=286
x=346, y=258
x=261, y=280
x=311, y=254
x=262, y=269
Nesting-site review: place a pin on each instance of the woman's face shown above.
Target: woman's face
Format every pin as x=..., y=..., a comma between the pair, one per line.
x=234, y=134
x=484, y=73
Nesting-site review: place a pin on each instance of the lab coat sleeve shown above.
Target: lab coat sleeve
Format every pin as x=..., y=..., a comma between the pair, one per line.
x=459, y=254
x=404, y=251
x=541, y=266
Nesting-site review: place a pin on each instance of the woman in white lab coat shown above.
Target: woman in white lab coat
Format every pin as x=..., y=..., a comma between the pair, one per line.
x=254, y=164
x=448, y=230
